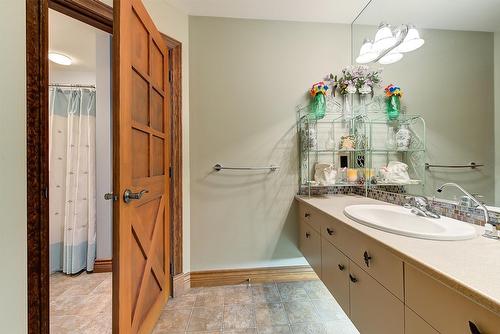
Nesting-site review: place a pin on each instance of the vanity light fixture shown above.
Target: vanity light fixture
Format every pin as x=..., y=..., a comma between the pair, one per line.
x=367, y=54
x=389, y=44
x=60, y=59
x=391, y=58
x=384, y=38
x=412, y=41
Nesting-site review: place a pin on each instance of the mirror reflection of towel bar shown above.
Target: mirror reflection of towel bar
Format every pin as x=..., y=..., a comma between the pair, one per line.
x=472, y=165
x=272, y=168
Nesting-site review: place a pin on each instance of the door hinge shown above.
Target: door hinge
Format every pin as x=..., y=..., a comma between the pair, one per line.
x=46, y=192
x=170, y=172
x=170, y=76
x=171, y=269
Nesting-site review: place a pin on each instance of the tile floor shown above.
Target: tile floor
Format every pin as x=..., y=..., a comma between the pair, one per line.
x=276, y=308
x=82, y=305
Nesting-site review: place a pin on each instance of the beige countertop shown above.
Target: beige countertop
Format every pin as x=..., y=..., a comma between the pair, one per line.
x=471, y=267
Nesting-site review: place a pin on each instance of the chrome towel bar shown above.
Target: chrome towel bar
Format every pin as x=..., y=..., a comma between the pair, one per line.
x=472, y=165
x=272, y=168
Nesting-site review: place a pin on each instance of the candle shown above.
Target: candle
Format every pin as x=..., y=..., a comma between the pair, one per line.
x=352, y=174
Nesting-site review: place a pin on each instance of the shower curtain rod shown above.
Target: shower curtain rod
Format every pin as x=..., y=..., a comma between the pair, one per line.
x=71, y=86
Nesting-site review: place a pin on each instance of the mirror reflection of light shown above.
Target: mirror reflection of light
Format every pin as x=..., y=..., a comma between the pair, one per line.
x=389, y=45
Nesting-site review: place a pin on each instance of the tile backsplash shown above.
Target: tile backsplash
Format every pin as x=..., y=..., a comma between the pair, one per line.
x=397, y=195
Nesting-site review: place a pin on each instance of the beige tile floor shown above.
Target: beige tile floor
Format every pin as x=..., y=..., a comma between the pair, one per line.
x=82, y=305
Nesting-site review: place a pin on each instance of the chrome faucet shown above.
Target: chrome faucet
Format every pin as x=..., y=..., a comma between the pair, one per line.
x=491, y=227
x=420, y=206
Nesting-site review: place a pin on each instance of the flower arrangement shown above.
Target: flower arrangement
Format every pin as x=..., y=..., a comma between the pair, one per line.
x=356, y=78
x=392, y=90
x=319, y=88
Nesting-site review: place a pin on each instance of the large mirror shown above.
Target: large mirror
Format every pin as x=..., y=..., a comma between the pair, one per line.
x=452, y=81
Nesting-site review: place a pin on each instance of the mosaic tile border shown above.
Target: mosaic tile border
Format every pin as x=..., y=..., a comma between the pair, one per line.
x=397, y=195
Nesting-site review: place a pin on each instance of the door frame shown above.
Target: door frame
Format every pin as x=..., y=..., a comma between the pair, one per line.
x=99, y=15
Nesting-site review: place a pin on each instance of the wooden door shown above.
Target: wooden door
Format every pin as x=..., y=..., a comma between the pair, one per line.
x=141, y=281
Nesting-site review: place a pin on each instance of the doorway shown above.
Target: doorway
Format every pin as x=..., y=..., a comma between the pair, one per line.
x=99, y=16
x=80, y=174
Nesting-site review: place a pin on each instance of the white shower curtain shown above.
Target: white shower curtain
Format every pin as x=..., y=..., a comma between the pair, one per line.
x=72, y=179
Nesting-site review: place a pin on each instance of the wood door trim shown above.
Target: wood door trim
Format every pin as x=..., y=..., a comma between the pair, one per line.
x=37, y=165
x=261, y=275
x=93, y=12
x=99, y=15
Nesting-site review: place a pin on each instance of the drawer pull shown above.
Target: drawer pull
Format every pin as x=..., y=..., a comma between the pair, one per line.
x=473, y=328
x=352, y=278
x=341, y=267
x=308, y=235
x=330, y=231
x=367, y=258
x=307, y=215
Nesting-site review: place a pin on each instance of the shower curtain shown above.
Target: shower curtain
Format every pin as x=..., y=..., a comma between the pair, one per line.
x=72, y=205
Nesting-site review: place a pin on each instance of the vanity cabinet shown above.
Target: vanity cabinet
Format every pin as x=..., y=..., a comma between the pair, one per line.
x=444, y=308
x=379, y=291
x=416, y=325
x=310, y=246
x=373, y=309
x=335, y=273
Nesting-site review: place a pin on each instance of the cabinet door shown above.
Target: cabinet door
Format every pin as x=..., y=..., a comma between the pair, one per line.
x=374, y=310
x=377, y=261
x=310, y=246
x=444, y=308
x=416, y=325
x=335, y=273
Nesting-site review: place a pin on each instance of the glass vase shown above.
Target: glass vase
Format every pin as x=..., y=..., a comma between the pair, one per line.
x=348, y=105
x=393, y=107
x=318, y=107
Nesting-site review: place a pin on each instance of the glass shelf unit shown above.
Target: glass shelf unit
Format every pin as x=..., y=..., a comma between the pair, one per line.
x=374, y=136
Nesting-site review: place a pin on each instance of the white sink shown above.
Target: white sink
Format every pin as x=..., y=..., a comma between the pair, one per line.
x=398, y=220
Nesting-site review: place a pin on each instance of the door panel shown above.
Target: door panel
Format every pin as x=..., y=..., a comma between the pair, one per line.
x=141, y=280
x=335, y=273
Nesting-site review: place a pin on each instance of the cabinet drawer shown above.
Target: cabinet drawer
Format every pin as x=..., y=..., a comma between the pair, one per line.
x=376, y=260
x=444, y=308
x=374, y=310
x=311, y=216
x=335, y=273
x=416, y=325
x=310, y=246
x=335, y=232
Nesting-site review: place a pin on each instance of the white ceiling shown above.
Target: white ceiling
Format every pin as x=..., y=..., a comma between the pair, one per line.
x=289, y=10
x=471, y=15
x=74, y=39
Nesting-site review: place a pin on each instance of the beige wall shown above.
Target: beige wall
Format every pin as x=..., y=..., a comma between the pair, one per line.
x=174, y=23
x=497, y=119
x=449, y=81
x=13, y=168
x=246, y=78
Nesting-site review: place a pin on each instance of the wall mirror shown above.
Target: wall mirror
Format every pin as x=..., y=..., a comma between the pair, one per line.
x=452, y=81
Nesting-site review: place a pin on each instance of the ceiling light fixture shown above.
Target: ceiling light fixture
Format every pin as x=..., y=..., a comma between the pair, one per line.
x=389, y=45
x=60, y=59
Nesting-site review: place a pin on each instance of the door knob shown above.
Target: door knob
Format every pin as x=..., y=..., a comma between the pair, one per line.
x=308, y=235
x=128, y=195
x=341, y=267
x=307, y=215
x=330, y=231
x=110, y=196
